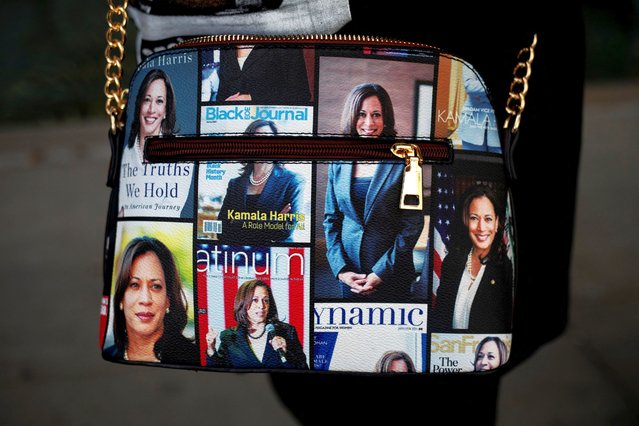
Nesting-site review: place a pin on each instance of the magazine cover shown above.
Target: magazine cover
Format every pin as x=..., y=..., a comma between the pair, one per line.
x=229, y=278
x=396, y=97
x=456, y=353
x=162, y=102
x=463, y=111
x=254, y=203
x=152, y=294
x=368, y=337
x=365, y=243
x=472, y=283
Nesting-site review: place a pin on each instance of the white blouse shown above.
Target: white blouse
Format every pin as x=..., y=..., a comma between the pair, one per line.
x=465, y=296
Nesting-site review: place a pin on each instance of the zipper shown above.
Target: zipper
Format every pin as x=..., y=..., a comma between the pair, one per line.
x=161, y=149
x=411, y=198
x=414, y=153
x=308, y=38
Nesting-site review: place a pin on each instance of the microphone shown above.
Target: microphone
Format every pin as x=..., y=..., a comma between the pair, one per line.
x=270, y=330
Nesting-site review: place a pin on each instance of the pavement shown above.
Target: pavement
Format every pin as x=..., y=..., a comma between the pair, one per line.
x=52, y=217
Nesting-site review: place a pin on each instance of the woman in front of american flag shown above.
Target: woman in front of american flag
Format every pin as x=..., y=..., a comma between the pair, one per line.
x=260, y=339
x=476, y=289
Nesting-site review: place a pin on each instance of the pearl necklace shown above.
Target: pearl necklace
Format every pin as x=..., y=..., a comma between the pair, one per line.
x=263, y=179
x=469, y=267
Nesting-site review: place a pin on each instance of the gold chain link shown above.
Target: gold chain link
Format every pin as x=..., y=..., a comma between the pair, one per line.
x=116, y=96
x=519, y=87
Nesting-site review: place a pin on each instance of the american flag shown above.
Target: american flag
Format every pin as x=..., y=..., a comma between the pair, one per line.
x=444, y=215
x=222, y=269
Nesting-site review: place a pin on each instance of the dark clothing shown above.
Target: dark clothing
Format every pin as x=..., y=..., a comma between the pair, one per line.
x=398, y=399
x=491, y=311
x=484, y=39
x=272, y=76
x=358, y=195
x=178, y=351
x=281, y=188
x=235, y=351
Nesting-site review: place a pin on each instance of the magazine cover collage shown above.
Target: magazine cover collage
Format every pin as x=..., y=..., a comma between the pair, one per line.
x=310, y=265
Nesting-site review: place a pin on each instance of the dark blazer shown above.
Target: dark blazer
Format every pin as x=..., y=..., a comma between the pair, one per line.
x=491, y=311
x=178, y=351
x=272, y=76
x=235, y=352
x=383, y=240
x=281, y=188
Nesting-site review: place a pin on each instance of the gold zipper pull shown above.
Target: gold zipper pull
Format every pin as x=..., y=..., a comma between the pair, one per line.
x=412, y=190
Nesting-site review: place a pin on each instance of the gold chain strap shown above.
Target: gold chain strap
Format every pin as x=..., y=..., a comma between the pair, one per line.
x=519, y=87
x=114, y=54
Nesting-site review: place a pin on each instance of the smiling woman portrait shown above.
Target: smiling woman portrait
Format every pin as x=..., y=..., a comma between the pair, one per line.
x=260, y=339
x=154, y=112
x=369, y=245
x=368, y=112
x=475, y=293
x=149, y=307
x=262, y=186
x=491, y=353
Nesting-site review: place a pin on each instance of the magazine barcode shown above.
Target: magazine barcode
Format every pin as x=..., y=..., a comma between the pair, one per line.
x=212, y=226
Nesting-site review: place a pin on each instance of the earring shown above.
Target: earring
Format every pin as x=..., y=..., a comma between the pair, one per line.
x=167, y=311
x=121, y=306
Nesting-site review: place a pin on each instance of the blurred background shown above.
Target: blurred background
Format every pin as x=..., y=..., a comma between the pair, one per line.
x=54, y=31
x=53, y=161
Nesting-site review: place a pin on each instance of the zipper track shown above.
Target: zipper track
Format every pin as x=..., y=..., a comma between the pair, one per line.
x=170, y=149
x=308, y=38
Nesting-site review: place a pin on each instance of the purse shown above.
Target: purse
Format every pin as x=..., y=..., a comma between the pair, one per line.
x=323, y=203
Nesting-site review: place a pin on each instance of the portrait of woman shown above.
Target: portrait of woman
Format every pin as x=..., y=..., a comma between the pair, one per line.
x=491, y=353
x=369, y=240
x=475, y=292
x=268, y=76
x=260, y=339
x=154, y=112
x=149, y=307
x=395, y=362
x=154, y=115
x=266, y=187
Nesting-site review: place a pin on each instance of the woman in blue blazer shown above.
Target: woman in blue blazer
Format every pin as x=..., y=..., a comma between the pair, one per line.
x=262, y=188
x=369, y=240
x=260, y=339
